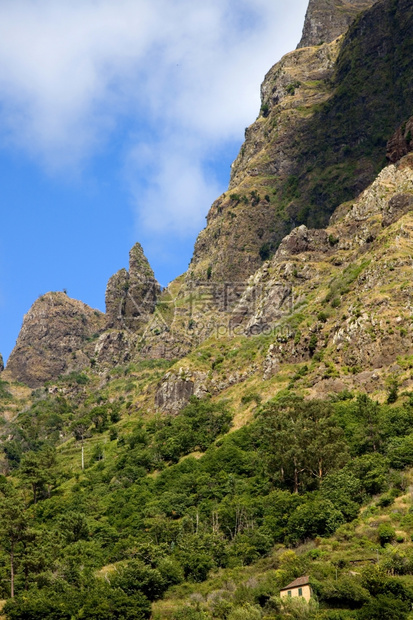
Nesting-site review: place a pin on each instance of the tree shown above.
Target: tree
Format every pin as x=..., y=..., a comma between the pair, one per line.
x=314, y=518
x=384, y=608
x=301, y=440
x=13, y=526
x=80, y=430
x=37, y=470
x=368, y=411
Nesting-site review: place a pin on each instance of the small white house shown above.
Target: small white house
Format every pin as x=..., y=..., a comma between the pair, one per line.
x=298, y=587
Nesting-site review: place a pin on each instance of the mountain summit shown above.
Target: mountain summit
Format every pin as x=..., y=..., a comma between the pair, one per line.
x=326, y=20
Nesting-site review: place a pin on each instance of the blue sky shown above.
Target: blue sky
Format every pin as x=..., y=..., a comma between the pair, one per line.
x=119, y=121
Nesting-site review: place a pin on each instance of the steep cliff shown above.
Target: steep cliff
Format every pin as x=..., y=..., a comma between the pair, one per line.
x=326, y=115
x=326, y=20
x=53, y=339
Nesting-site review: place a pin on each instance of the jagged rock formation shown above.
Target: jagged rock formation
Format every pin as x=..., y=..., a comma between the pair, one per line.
x=53, y=339
x=243, y=223
x=341, y=296
x=131, y=295
x=326, y=20
x=326, y=115
x=1, y=363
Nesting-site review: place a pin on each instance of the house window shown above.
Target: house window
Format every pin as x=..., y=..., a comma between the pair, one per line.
x=300, y=591
x=289, y=593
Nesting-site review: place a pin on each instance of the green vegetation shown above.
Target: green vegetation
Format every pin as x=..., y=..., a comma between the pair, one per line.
x=340, y=285
x=159, y=522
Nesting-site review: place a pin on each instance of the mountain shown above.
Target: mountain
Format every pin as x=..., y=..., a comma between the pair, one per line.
x=320, y=139
x=193, y=450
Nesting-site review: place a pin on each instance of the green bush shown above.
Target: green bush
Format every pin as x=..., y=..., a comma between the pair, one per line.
x=385, y=533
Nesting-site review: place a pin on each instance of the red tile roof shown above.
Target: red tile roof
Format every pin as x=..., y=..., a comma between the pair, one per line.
x=297, y=583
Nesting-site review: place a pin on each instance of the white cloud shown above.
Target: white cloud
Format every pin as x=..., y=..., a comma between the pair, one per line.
x=177, y=190
x=70, y=70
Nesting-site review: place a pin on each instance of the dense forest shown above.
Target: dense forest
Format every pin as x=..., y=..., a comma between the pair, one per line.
x=166, y=502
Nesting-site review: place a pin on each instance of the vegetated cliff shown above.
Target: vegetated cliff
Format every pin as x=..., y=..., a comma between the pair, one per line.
x=54, y=339
x=326, y=20
x=326, y=115
x=334, y=304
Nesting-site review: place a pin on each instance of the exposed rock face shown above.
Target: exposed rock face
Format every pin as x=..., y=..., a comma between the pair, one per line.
x=177, y=386
x=326, y=20
x=327, y=112
x=396, y=208
x=302, y=239
x=53, y=338
x=1, y=363
x=175, y=390
x=401, y=143
x=113, y=347
x=131, y=295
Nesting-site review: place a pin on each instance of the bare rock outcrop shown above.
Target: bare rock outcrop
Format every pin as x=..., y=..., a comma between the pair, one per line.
x=396, y=208
x=55, y=332
x=326, y=20
x=131, y=295
x=176, y=389
x=401, y=143
x=302, y=239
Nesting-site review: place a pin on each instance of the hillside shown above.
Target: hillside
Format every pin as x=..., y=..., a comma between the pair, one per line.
x=193, y=450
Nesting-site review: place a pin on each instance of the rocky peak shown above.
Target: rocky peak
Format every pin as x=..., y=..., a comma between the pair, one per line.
x=131, y=295
x=326, y=20
x=52, y=339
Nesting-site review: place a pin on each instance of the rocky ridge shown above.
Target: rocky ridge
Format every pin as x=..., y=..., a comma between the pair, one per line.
x=338, y=299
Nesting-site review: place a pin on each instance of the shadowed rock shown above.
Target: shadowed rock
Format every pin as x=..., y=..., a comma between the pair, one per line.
x=401, y=143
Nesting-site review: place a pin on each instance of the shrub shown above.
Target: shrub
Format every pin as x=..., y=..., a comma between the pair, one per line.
x=312, y=345
x=265, y=251
x=384, y=608
x=314, y=518
x=385, y=533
